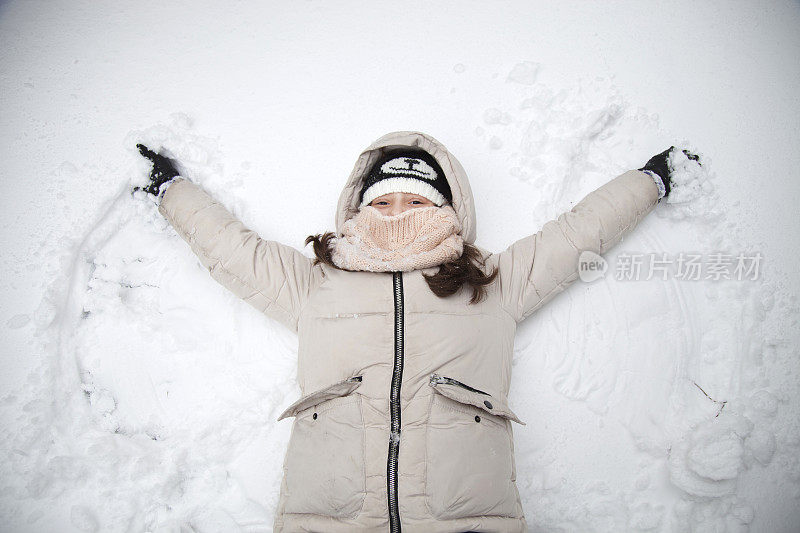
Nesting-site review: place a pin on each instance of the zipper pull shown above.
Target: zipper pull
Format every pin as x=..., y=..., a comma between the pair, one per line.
x=441, y=380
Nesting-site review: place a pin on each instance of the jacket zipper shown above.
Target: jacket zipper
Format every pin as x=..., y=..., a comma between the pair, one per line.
x=394, y=404
x=435, y=378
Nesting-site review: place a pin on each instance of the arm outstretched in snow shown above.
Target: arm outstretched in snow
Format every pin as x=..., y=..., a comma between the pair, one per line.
x=272, y=277
x=537, y=267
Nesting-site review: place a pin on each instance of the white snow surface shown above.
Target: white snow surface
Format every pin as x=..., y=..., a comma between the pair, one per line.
x=141, y=396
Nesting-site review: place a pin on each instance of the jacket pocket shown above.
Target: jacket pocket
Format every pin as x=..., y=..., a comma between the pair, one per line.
x=324, y=468
x=470, y=468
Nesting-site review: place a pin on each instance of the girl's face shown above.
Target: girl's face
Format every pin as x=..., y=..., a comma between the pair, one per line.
x=396, y=202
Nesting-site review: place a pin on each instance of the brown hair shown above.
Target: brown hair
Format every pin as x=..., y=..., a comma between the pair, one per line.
x=448, y=280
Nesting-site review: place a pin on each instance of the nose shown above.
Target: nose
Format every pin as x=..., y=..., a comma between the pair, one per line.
x=397, y=208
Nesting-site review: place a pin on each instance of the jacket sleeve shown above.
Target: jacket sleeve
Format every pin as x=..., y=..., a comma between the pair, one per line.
x=536, y=268
x=274, y=278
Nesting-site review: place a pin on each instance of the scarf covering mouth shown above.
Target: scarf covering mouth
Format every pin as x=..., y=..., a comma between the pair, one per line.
x=417, y=238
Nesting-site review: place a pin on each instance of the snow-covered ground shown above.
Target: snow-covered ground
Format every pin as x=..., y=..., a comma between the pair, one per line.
x=137, y=395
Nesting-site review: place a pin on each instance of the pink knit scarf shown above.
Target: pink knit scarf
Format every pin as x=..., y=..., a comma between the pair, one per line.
x=418, y=238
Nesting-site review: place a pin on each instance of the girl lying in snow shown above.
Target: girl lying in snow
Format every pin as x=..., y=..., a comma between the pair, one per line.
x=406, y=333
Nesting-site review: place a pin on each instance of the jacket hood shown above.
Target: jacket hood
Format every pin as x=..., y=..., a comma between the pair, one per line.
x=456, y=177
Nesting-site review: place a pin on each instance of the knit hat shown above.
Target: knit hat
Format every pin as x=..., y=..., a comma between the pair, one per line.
x=407, y=170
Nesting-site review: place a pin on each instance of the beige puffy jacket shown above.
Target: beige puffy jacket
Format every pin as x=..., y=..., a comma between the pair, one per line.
x=404, y=419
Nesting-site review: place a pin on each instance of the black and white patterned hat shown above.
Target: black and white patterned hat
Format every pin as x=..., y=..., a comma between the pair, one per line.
x=407, y=170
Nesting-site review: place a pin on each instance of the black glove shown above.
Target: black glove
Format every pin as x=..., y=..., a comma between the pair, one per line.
x=163, y=170
x=660, y=165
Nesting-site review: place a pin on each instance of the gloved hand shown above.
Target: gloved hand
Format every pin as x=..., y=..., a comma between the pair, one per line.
x=659, y=164
x=163, y=170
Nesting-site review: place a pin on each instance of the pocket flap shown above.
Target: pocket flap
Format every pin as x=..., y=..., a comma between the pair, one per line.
x=342, y=388
x=463, y=393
